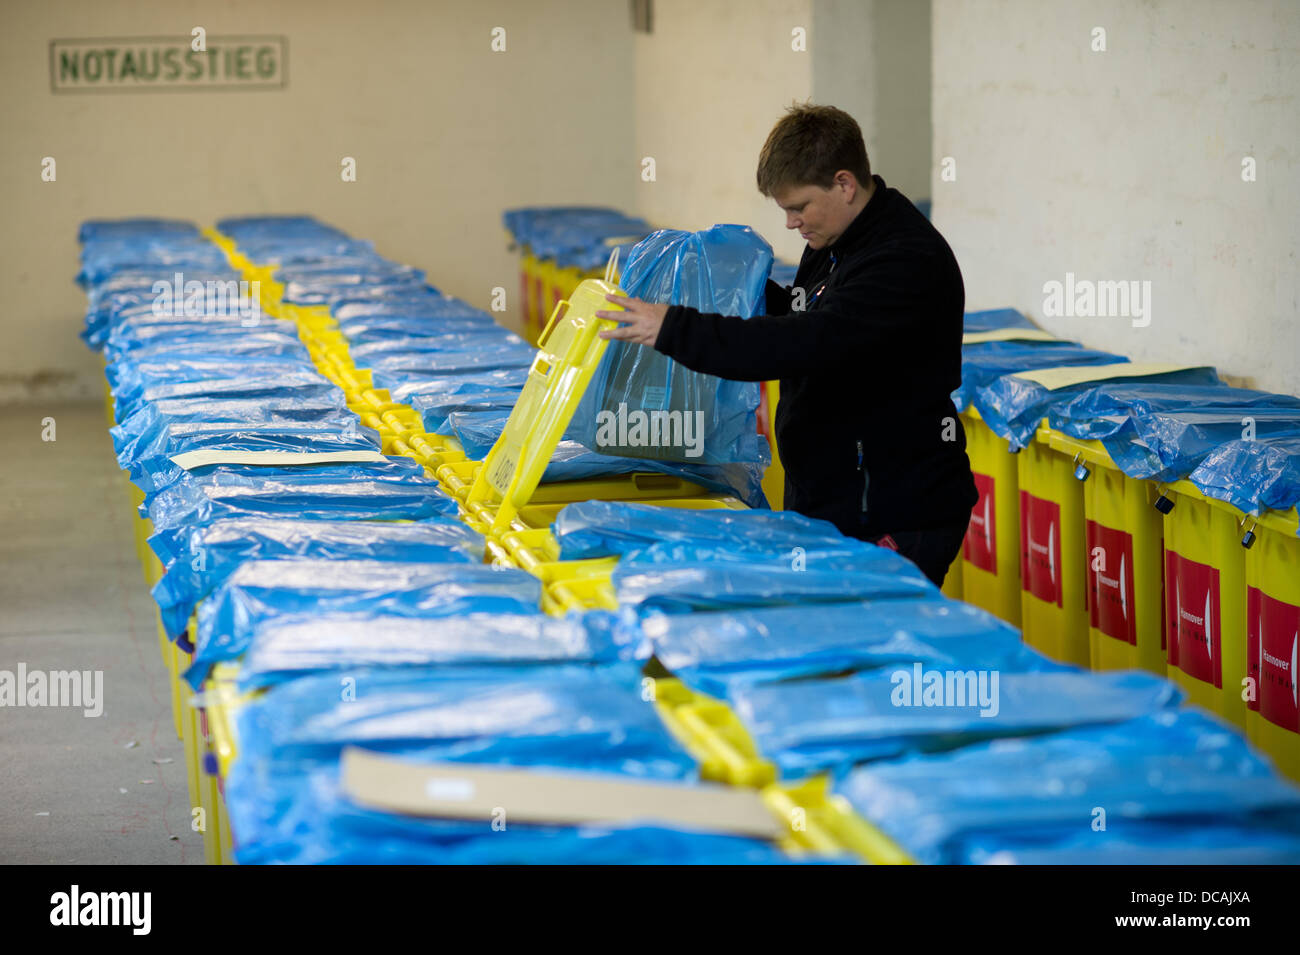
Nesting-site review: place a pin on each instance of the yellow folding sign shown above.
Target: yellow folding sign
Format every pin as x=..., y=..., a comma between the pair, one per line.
x=568, y=352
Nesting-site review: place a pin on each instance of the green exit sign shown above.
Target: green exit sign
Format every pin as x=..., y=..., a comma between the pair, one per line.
x=127, y=64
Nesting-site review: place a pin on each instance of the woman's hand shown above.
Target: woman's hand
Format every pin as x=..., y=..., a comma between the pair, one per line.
x=641, y=321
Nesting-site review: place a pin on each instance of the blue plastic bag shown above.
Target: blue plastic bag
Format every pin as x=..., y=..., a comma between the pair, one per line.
x=806, y=726
x=719, y=585
x=290, y=645
x=705, y=419
x=262, y=589
x=1174, y=765
x=720, y=651
x=1252, y=476
x=1014, y=407
x=207, y=554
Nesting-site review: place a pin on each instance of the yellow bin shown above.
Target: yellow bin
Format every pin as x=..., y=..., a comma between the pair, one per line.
x=1273, y=638
x=990, y=572
x=1124, y=560
x=1053, y=595
x=1205, y=600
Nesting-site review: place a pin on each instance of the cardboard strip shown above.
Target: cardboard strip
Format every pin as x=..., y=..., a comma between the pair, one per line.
x=1066, y=375
x=1008, y=335
x=475, y=791
x=189, y=460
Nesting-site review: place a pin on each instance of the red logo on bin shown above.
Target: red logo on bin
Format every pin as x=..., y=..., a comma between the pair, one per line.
x=1194, y=619
x=1040, y=547
x=1110, y=582
x=1273, y=656
x=980, y=546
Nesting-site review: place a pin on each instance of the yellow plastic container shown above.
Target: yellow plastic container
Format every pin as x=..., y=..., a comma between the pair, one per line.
x=774, y=476
x=825, y=824
x=1205, y=600
x=1124, y=560
x=1273, y=625
x=1053, y=576
x=990, y=573
x=713, y=734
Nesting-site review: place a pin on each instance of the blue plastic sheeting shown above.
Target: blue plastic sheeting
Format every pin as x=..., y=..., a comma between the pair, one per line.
x=147, y=426
x=150, y=465
x=291, y=645
x=282, y=791
x=149, y=417
x=565, y=717
x=253, y=475
x=251, y=344
x=118, y=230
x=1108, y=409
x=1014, y=407
x=809, y=725
x=1175, y=765
x=993, y=319
x=719, y=585
x=1201, y=841
x=718, y=652
x=647, y=533
x=1168, y=445
x=548, y=230
x=341, y=834
x=262, y=589
x=435, y=410
x=471, y=341
x=1253, y=476
x=127, y=379
x=169, y=255
x=187, y=504
x=371, y=330
x=402, y=306
x=406, y=389
x=722, y=269
x=128, y=339
x=300, y=383
x=207, y=554
x=477, y=431
x=984, y=362
x=1162, y=431
x=482, y=357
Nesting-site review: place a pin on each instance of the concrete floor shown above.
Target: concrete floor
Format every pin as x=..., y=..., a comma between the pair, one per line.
x=77, y=789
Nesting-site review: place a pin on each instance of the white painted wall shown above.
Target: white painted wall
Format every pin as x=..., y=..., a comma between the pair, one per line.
x=446, y=134
x=715, y=76
x=1127, y=164
x=711, y=80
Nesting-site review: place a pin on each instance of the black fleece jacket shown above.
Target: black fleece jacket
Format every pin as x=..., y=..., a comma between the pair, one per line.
x=865, y=426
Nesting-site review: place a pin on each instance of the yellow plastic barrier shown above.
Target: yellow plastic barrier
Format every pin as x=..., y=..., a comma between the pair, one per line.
x=1124, y=560
x=1053, y=580
x=990, y=572
x=1205, y=600
x=826, y=824
x=774, y=476
x=1273, y=638
x=713, y=734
